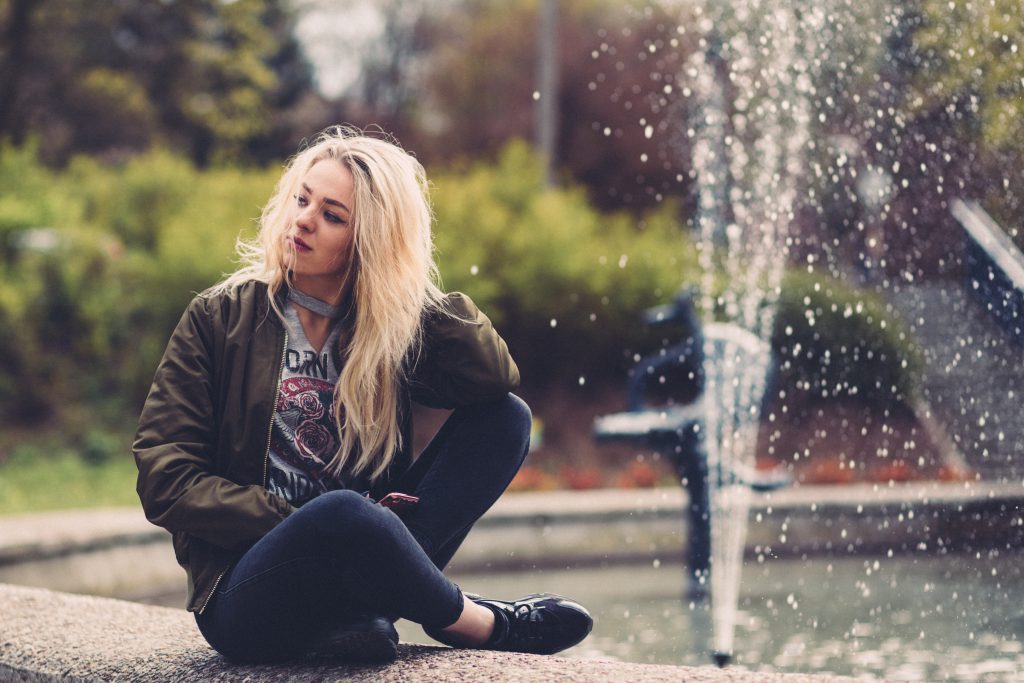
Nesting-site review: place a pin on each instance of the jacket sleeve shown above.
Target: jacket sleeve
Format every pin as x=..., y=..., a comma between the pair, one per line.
x=463, y=360
x=175, y=449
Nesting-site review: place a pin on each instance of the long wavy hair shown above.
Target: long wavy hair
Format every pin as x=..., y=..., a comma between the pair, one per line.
x=393, y=278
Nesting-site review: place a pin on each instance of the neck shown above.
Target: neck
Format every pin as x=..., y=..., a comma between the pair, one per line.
x=328, y=290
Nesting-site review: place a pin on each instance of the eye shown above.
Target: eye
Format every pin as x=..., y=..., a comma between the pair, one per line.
x=301, y=200
x=333, y=218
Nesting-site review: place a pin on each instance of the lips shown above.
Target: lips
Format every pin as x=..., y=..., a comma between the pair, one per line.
x=299, y=244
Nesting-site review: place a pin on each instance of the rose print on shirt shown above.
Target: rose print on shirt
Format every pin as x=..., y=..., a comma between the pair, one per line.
x=304, y=398
x=303, y=436
x=304, y=439
x=314, y=441
x=309, y=403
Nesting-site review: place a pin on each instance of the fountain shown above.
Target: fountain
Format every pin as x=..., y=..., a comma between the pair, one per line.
x=813, y=146
x=759, y=72
x=748, y=154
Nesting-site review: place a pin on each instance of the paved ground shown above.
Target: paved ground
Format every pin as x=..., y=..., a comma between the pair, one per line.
x=49, y=636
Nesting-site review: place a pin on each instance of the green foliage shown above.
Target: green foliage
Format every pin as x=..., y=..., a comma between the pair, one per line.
x=88, y=301
x=25, y=199
x=965, y=78
x=133, y=201
x=213, y=78
x=564, y=283
x=36, y=477
x=87, y=305
x=836, y=342
x=974, y=52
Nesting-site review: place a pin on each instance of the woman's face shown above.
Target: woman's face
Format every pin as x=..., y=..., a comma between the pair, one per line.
x=320, y=234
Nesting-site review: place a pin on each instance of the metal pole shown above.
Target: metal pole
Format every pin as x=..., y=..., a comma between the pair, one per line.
x=546, y=108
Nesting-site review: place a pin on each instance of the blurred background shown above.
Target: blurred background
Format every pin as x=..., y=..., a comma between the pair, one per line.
x=139, y=139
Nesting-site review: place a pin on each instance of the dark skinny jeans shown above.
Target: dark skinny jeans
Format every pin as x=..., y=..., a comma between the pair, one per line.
x=341, y=554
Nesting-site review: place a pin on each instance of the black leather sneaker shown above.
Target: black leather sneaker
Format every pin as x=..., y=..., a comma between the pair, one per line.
x=541, y=624
x=365, y=638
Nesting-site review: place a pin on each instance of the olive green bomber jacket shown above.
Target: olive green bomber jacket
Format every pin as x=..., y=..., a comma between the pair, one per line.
x=203, y=438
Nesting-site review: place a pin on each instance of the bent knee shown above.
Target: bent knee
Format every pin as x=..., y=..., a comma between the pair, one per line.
x=362, y=518
x=511, y=421
x=325, y=511
x=333, y=503
x=515, y=412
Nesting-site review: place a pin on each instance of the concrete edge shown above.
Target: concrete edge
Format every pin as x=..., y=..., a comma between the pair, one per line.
x=49, y=636
x=962, y=514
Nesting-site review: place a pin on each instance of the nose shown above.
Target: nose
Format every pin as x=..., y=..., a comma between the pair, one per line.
x=304, y=219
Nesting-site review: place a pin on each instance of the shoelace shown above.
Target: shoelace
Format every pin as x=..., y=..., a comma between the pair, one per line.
x=531, y=624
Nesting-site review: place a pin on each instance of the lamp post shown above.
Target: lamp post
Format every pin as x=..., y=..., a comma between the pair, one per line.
x=546, y=95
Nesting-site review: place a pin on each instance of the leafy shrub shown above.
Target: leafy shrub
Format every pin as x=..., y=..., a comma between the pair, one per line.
x=26, y=196
x=563, y=283
x=86, y=312
x=133, y=201
x=833, y=341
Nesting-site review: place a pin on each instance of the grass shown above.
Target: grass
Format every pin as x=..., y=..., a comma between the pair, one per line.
x=35, y=478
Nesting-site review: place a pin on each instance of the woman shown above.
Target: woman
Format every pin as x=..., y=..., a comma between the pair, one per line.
x=280, y=414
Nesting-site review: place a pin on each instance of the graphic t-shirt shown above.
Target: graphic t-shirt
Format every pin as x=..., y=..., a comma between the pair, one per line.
x=304, y=436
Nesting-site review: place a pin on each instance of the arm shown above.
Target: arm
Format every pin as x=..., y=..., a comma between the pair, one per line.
x=175, y=449
x=463, y=359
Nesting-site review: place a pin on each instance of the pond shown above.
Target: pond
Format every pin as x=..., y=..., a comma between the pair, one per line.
x=906, y=619
x=923, y=618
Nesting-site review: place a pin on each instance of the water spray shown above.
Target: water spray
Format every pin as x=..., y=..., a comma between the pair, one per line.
x=747, y=151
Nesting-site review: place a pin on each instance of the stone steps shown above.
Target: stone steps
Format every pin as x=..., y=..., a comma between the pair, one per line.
x=973, y=378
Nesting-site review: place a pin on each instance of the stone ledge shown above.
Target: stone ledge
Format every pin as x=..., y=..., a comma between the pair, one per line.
x=46, y=535
x=116, y=552
x=58, y=533
x=48, y=636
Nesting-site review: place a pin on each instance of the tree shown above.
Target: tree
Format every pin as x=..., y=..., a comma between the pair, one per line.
x=17, y=20
x=969, y=75
x=114, y=77
x=456, y=80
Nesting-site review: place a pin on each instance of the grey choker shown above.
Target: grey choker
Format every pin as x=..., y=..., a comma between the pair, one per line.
x=316, y=305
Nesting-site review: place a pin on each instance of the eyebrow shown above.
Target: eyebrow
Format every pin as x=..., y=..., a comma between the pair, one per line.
x=327, y=200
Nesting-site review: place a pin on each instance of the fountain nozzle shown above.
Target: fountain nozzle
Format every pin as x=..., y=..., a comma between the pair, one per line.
x=721, y=659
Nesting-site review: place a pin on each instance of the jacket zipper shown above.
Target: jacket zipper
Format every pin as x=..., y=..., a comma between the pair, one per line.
x=273, y=409
x=266, y=453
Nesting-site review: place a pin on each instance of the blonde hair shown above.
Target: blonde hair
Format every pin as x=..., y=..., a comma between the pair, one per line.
x=393, y=282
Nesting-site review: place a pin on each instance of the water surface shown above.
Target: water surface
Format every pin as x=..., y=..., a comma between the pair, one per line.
x=952, y=618
x=930, y=618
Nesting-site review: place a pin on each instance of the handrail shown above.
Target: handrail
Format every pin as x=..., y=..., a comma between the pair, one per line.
x=990, y=237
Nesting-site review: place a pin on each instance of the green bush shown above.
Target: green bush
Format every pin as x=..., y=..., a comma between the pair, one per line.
x=835, y=342
x=27, y=199
x=37, y=478
x=563, y=283
x=87, y=304
x=133, y=201
x=98, y=263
